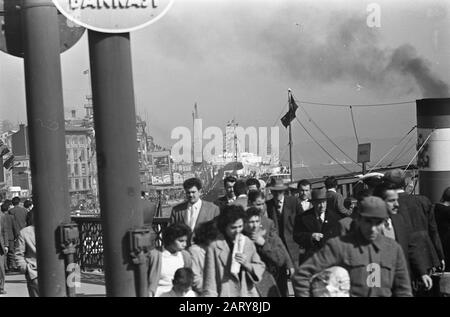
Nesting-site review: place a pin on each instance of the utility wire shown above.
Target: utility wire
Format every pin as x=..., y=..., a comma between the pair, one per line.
x=328, y=138
x=392, y=148
x=323, y=149
x=354, y=126
x=357, y=105
x=401, y=153
x=412, y=146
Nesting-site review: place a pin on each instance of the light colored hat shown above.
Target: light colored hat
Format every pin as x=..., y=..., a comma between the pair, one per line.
x=373, y=207
x=331, y=282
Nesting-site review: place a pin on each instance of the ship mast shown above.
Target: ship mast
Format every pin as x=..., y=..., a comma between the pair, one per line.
x=290, y=140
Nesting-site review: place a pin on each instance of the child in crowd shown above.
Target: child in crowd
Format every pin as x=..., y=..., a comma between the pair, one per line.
x=182, y=284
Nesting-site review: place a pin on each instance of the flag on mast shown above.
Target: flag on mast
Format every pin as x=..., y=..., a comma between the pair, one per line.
x=290, y=115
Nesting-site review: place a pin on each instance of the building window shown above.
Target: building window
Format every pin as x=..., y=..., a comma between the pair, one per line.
x=69, y=168
x=81, y=139
x=83, y=169
x=82, y=157
x=67, y=140
x=75, y=140
x=77, y=184
x=84, y=183
x=75, y=155
x=76, y=170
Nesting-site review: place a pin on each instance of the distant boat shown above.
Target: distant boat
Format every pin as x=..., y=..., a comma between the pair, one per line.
x=297, y=165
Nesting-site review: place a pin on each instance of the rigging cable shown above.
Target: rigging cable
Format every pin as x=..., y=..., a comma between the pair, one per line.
x=402, y=151
x=322, y=147
x=354, y=126
x=392, y=148
x=420, y=149
x=328, y=138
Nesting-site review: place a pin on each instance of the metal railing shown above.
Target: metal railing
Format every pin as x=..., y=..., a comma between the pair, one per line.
x=89, y=254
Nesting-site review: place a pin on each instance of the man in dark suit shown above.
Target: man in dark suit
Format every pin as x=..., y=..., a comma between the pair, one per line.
x=398, y=229
x=228, y=185
x=194, y=211
x=283, y=210
x=240, y=191
x=19, y=214
x=335, y=201
x=304, y=194
x=418, y=214
x=315, y=226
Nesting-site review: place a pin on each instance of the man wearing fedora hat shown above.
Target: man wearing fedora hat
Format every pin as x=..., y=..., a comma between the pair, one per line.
x=376, y=264
x=282, y=210
x=315, y=226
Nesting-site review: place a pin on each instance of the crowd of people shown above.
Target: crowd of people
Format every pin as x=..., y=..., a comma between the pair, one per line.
x=382, y=242
x=18, y=243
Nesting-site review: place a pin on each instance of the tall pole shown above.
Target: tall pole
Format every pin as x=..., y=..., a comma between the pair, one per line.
x=290, y=140
x=118, y=176
x=45, y=113
x=290, y=151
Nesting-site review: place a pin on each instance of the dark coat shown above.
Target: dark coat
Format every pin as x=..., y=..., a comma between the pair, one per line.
x=277, y=260
x=10, y=229
x=284, y=223
x=306, y=224
x=4, y=240
x=418, y=214
x=335, y=203
x=442, y=214
x=221, y=202
x=20, y=216
x=358, y=257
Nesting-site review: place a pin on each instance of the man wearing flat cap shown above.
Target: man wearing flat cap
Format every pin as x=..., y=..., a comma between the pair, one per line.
x=376, y=264
x=315, y=226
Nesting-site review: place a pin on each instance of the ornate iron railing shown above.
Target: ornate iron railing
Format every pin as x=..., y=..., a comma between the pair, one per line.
x=89, y=253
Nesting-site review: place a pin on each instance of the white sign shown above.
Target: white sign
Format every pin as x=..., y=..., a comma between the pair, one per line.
x=113, y=16
x=364, y=153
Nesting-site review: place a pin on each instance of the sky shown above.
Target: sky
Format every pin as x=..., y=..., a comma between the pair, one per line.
x=237, y=59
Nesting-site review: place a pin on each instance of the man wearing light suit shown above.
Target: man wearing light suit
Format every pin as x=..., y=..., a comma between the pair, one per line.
x=194, y=211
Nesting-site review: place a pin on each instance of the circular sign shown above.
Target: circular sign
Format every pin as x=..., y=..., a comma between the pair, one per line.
x=11, y=30
x=113, y=16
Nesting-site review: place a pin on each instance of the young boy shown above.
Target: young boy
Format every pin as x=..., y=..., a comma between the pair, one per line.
x=182, y=284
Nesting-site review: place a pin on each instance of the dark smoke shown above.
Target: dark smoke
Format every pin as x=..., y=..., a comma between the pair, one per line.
x=405, y=60
x=289, y=39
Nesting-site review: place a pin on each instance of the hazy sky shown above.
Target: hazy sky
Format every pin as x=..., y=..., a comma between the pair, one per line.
x=237, y=58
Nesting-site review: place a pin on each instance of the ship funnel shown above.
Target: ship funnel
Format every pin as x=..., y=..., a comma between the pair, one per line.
x=433, y=137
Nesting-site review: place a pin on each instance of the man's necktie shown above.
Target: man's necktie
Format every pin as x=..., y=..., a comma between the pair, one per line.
x=279, y=207
x=190, y=216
